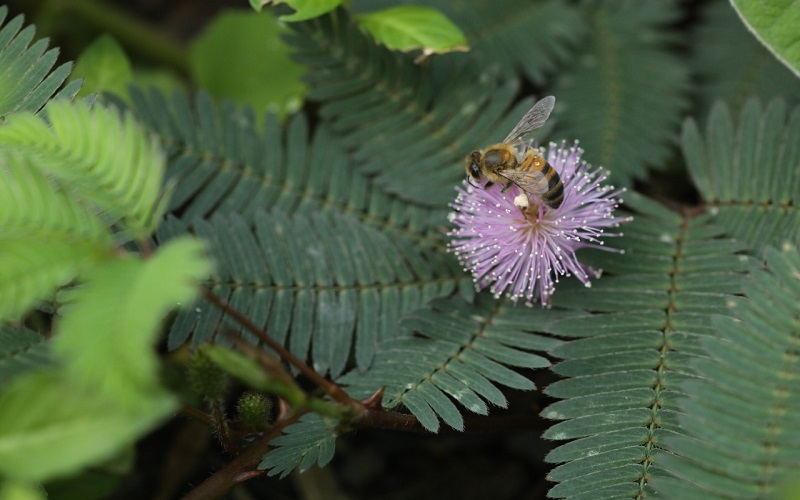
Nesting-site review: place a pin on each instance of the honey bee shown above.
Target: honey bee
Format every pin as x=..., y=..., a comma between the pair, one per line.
x=500, y=164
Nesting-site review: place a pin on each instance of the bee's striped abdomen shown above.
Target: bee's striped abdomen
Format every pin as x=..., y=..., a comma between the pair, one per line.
x=555, y=188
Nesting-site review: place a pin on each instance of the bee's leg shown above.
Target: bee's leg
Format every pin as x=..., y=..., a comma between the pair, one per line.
x=505, y=188
x=488, y=185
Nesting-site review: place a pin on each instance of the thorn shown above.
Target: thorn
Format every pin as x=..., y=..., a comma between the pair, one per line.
x=374, y=402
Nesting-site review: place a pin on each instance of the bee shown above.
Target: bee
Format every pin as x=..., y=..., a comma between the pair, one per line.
x=500, y=164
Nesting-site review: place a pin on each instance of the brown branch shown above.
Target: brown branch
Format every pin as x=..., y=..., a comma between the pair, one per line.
x=241, y=468
x=333, y=390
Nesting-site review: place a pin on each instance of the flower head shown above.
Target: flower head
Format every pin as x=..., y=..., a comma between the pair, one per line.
x=522, y=250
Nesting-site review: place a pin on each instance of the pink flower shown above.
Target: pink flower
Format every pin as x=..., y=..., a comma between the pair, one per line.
x=523, y=252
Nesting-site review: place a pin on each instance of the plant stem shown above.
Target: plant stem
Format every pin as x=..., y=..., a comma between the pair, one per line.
x=241, y=468
x=333, y=390
x=136, y=35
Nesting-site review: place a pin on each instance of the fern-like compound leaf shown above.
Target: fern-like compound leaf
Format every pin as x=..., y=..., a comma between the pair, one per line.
x=407, y=129
x=222, y=161
x=739, y=417
x=99, y=157
x=626, y=94
x=462, y=353
x=747, y=171
x=322, y=283
x=624, y=367
x=28, y=78
x=47, y=236
x=311, y=441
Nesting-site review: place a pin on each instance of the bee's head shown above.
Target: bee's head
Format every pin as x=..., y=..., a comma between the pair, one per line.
x=473, y=166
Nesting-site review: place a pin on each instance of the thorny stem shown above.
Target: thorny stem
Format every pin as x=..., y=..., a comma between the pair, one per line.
x=241, y=468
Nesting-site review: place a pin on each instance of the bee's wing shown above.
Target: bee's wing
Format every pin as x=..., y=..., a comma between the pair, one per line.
x=533, y=119
x=533, y=182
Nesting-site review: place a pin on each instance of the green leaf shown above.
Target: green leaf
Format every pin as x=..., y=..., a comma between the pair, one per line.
x=108, y=332
x=323, y=283
x=554, y=28
x=624, y=367
x=46, y=235
x=746, y=170
x=738, y=414
x=460, y=352
x=732, y=65
x=775, y=25
x=97, y=157
x=21, y=351
x=241, y=56
x=51, y=427
x=310, y=441
x=104, y=67
x=20, y=490
x=28, y=81
x=305, y=9
x=412, y=27
x=607, y=98
x=389, y=113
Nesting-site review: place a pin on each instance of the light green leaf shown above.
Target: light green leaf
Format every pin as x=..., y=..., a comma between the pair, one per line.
x=46, y=236
x=98, y=158
x=776, y=23
x=411, y=27
x=50, y=427
x=105, y=67
x=108, y=333
x=19, y=490
x=305, y=9
x=241, y=57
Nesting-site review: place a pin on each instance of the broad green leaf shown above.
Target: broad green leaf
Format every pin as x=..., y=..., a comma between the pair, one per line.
x=115, y=315
x=411, y=27
x=776, y=23
x=242, y=57
x=304, y=9
x=20, y=490
x=51, y=427
x=104, y=67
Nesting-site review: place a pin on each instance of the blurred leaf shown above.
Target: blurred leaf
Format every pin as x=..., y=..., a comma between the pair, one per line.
x=21, y=351
x=625, y=94
x=47, y=235
x=304, y=9
x=19, y=490
x=408, y=27
x=28, y=78
x=776, y=24
x=118, y=172
x=732, y=65
x=241, y=56
x=51, y=427
x=105, y=67
x=108, y=332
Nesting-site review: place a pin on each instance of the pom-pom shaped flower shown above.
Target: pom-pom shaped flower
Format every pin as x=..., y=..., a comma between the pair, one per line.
x=522, y=250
